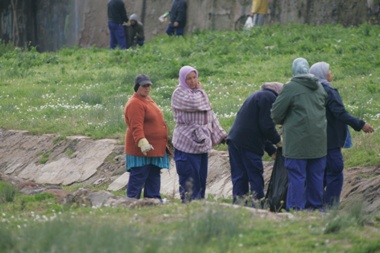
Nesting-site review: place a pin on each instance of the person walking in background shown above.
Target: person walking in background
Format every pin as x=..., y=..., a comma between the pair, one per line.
x=146, y=142
x=337, y=133
x=177, y=18
x=259, y=10
x=117, y=16
x=196, y=131
x=252, y=133
x=300, y=108
x=135, y=32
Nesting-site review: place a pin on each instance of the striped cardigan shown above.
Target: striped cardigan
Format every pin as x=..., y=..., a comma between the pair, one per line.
x=197, y=129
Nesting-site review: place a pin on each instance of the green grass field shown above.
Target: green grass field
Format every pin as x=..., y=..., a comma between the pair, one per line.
x=84, y=90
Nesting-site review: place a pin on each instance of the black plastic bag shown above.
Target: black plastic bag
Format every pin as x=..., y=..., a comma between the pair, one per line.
x=278, y=184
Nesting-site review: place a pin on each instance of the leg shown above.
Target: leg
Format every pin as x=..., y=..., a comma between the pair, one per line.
x=113, y=41
x=137, y=178
x=179, y=31
x=188, y=167
x=120, y=36
x=295, y=198
x=239, y=174
x=333, y=177
x=203, y=170
x=314, y=183
x=260, y=19
x=153, y=183
x=169, y=30
x=254, y=165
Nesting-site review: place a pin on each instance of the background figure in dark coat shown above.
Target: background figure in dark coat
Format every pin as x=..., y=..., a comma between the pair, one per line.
x=177, y=18
x=117, y=15
x=337, y=132
x=135, y=32
x=252, y=133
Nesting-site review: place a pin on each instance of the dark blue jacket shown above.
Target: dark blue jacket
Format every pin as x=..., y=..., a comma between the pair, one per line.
x=254, y=129
x=338, y=118
x=116, y=12
x=178, y=13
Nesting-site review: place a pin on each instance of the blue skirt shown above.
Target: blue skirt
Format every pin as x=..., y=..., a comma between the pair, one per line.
x=138, y=161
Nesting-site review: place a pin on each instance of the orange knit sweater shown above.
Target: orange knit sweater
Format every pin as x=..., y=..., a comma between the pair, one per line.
x=144, y=120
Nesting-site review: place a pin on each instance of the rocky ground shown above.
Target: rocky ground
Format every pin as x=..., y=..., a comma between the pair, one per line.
x=48, y=162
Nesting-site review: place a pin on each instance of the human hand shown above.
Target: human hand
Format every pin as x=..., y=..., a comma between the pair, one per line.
x=145, y=149
x=175, y=24
x=199, y=85
x=273, y=156
x=279, y=144
x=144, y=145
x=223, y=141
x=367, y=128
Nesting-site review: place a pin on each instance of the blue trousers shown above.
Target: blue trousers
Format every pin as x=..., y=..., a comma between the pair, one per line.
x=333, y=181
x=246, y=172
x=117, y=35
x=170, y=30
x=305, y=183
x=147, y=177
x=192, y=172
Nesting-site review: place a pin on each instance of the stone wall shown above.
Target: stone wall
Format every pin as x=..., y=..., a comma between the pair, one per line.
x=51, y=24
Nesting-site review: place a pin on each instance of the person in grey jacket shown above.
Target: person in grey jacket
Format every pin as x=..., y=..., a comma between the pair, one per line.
x=300, y=108
x=337, y=133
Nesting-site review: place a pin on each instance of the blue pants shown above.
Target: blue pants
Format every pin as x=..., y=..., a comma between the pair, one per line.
x=170, y=30
x=192, y=172
x=147, y=177
x=333, y=181
x=246, y=171
x=305, y=183
x=117, y=35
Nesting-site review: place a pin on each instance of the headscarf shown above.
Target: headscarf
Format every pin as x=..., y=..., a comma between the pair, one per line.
x=275, y=86
x=300, y=66
x=320, y=70
x=183, y=72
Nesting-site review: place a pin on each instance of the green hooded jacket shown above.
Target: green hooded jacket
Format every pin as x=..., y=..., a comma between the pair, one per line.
x=300, y=108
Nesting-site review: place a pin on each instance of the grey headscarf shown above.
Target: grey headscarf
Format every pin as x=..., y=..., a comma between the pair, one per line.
x=300, y=66
x=320, y=70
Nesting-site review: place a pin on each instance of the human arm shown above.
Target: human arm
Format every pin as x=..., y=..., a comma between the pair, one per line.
x=281, y=106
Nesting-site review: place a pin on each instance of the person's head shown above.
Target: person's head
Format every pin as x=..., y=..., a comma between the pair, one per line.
x=300, y=66
x=188, y=77
x=142, y=85
x=133, y=19
x=275, y=86
x=321, y=70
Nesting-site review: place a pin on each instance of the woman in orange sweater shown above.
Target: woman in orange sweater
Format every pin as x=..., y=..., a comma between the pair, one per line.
x=145, y=142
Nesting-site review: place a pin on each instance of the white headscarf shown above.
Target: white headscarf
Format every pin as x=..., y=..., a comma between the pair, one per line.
x=320, y=70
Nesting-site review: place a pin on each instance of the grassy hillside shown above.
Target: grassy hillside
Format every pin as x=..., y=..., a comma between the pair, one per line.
x=83, y=91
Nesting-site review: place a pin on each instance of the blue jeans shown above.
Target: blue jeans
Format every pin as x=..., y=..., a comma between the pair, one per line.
x=246, y=172
x=305, y=183
x=192, y=172
x=117, y=35
x=333, y=181
x=170, y=30
x=147, y=177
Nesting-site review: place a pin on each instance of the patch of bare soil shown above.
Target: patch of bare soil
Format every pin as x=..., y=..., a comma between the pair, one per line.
x=47, y=162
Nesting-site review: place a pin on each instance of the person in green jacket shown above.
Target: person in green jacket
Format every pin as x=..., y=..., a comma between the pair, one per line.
x=301, y=109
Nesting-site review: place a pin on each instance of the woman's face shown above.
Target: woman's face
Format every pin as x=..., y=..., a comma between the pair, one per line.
x=192, y=80
x=143, y=90
x=329, y=76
